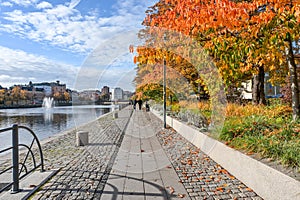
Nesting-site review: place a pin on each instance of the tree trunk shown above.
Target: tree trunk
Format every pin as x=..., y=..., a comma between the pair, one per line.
x=258, y=92
x=255, y=94
x=294, y=80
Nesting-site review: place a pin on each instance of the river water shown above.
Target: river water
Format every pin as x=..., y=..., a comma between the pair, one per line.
x=46, y=122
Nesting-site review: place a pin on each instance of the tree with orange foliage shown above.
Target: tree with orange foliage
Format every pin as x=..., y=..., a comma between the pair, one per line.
x=245, y=38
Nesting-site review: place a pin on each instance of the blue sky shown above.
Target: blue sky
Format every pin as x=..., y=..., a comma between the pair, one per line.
x=53, y=40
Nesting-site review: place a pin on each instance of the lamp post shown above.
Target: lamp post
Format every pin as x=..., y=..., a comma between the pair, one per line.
x=164, y=93
x=164, y=90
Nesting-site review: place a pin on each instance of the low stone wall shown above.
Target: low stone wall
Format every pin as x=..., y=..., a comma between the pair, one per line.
x=264, y=180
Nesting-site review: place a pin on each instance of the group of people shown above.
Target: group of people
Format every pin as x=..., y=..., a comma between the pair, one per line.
x=140, y=103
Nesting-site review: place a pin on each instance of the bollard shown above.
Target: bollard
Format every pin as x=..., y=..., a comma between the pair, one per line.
x=115, y=114
x=82, y=138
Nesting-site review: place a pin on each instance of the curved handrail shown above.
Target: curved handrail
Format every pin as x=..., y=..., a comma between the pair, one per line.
x=17, y=174
x=38, y=143
x=29, y=151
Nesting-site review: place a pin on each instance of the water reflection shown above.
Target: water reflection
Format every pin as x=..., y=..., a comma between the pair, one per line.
x=47, y=122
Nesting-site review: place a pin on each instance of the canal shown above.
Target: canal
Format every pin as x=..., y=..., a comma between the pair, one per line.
x=46, y=122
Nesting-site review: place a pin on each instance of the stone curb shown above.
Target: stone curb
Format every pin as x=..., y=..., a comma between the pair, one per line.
x=264, y=180
x=29, y=185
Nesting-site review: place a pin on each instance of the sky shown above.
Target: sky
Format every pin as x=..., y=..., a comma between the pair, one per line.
x=82, y=43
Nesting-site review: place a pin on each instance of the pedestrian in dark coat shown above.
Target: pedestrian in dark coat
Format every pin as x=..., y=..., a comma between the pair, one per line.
x=134, y=104
x=140, y=102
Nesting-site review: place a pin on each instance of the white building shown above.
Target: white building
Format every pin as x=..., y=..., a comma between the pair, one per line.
x=47, y=89
x=116, y=94
x=270, y=90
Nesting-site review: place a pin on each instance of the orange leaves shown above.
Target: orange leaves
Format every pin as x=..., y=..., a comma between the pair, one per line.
x=135, y=59
x=222, y=171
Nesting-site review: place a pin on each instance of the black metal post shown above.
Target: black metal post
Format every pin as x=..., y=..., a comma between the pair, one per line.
x=165, y=95
x=165, y=88
x=15, y=159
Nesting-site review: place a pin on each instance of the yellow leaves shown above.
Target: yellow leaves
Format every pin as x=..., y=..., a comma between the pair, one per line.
x=272, y=67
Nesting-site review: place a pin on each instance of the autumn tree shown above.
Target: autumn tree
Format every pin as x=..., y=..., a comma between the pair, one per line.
x=2, y=96
x=245, y=38
x=17, y=94
x=57, y=96
x=67, y=96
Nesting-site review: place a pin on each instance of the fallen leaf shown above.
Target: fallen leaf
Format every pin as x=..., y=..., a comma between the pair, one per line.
x=183, y=162
x=223, y=171
x=171, y=189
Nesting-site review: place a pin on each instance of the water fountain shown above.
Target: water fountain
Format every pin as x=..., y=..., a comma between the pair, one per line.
x=48, y=102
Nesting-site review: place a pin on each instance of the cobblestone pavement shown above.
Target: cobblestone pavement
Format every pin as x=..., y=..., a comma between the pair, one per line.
x=85, y=170
x=202, y=177
x=85, y=175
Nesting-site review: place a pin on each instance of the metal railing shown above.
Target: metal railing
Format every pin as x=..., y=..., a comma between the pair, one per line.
x=20, y=172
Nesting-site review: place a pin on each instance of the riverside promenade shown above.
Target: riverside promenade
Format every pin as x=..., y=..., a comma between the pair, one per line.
x=133, y=157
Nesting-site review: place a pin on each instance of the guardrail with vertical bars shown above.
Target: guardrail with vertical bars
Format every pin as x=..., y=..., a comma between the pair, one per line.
x=21, y=169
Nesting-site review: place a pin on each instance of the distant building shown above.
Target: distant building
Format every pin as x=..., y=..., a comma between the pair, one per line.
x=58, y=88
x=105, y=94
x=269, y=90
x=105, y=90
x=90, y=95
x=45, y=87
x=50, y=88
x=127, y=95
x=117, y=94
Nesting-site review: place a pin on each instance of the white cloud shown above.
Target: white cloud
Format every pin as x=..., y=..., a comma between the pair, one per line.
x=109, y=64
x=65, y=27
x=25, y=3
x=6, y=3
x=43, y=5
x=19, y=67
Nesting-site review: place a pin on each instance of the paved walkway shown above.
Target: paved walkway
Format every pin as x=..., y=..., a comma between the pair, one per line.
x=142, y=169
x=131, y=157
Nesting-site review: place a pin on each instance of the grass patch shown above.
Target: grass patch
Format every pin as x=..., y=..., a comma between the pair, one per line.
x=273, y=138
x=267, y=130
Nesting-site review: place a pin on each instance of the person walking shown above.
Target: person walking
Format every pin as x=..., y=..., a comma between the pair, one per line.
x=140, y=102
x=134, y=104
